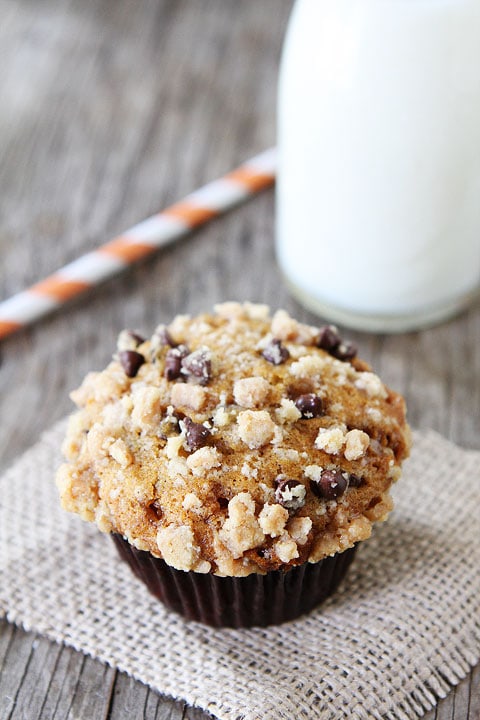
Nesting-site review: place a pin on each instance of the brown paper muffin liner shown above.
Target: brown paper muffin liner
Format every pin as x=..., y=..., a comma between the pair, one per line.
x=255, y=600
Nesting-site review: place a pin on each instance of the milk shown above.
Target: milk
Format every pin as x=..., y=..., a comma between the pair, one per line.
x=378, y=193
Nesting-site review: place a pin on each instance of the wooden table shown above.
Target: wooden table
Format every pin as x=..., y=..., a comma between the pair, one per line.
x=111, y=110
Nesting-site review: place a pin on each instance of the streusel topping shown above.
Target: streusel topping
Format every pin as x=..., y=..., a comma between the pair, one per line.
x=234, y=442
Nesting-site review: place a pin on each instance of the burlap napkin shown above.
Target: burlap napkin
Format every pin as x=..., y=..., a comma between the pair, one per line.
x=403, y=628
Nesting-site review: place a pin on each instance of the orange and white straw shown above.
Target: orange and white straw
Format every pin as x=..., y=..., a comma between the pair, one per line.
x=113, y=257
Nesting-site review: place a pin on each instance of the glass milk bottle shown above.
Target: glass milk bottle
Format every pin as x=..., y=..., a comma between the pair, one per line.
x=378, y=193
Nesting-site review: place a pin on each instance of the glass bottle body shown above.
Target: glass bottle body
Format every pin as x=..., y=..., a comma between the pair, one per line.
x=378, y=192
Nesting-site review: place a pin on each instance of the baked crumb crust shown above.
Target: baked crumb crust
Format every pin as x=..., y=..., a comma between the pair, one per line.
x=233, y=443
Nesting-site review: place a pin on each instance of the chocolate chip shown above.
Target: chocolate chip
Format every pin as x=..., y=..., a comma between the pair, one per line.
x=275, y=352
x=135, y=336
x=168, y=426
x=131, y=361
x=197, y=435
x=310, y=405
x=290, y=493
x=331, y=485
x=129, y=340
x=199, y=365
x=264, y=553
x=164, y=337
x=355, y=481
x=173, y=362
x=155, y=510
x=345, y=351
x=329, y=338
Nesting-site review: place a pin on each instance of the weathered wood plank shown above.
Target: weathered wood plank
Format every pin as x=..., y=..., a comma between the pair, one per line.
x=63, y=682
x=15, y=666
x=37, y=678
x=129, y=699
x=133, y=700
x=92, y=693
x=474, y=695
x=8, y=676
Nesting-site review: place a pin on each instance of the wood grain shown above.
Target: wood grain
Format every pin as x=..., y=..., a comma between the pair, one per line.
x=109, y=111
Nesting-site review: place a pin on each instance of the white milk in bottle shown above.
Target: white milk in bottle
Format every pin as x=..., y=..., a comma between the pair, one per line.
x=378, y=192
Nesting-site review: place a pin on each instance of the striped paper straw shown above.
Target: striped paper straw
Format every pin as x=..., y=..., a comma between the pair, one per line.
x=176, y=221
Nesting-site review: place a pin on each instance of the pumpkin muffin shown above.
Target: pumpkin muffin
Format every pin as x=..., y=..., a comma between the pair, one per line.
x=237, y=458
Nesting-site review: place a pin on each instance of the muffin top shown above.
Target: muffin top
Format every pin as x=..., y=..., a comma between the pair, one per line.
x=234, y=442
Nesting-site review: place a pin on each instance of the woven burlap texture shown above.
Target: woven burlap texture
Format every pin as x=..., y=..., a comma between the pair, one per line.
x=403, y=628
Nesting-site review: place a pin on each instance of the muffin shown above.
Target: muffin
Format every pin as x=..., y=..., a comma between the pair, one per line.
x=237, y=459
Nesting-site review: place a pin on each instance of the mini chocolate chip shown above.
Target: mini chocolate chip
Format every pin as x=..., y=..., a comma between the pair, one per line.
x=329, y=338
x=155, y=510
x=264, y=553
x=345, y=351
x=173, y=362
x=275, y=352
x=355, y=481
x=178, y=414
x=168, y=426
x=129, y=340
x=131, y=361
x=135, y=336
x=197, y=435
x=310, y=405
x=199, y=365
x=164, y=337
x=290, y=493
x=332, y=484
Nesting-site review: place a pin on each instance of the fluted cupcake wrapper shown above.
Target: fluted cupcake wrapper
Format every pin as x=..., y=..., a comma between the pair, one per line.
x=255, y=600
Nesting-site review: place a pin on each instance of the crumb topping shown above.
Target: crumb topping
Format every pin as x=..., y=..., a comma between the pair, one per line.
x=177, y=547
x=241, y=530
x=189, y=396
x=356, y=444
x=203, y=460
x=273, y=519
x=234, y=442
x=331, y=439
x=251, y=392
x=255, y=428
x=288, y=412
